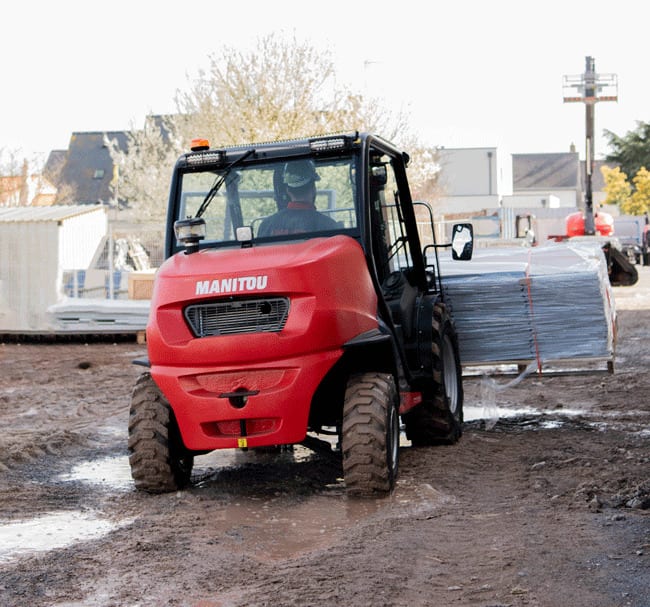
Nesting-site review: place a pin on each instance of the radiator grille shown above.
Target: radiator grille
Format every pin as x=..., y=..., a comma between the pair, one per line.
x=239, y=316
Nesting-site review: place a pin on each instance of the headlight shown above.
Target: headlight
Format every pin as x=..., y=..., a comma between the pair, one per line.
x=189, y=232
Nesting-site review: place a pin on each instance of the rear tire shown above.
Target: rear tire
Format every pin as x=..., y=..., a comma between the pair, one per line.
x=159, y=461
x=439, y=419
x=370, y=435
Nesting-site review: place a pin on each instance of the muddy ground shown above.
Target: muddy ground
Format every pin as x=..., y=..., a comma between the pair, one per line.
x=549, y=506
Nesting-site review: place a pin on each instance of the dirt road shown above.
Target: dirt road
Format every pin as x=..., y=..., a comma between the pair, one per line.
x=548, y=505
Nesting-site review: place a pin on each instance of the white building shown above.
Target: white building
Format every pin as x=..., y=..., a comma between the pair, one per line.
x=473, y=179
x=37, y=244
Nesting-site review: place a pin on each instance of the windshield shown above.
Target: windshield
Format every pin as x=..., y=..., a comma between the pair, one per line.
x=279, y=200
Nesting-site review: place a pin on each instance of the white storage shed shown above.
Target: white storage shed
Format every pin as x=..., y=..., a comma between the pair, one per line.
x=36, y=245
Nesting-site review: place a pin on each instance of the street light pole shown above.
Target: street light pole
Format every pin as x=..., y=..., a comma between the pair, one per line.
x=590, y=85
x=590, y=94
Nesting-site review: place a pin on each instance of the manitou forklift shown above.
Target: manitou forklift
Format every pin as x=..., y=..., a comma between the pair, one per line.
x=296, y=303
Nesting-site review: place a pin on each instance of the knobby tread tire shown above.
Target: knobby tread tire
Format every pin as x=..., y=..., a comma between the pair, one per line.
x=158, y=459
x=433, y=422
x=370, y=435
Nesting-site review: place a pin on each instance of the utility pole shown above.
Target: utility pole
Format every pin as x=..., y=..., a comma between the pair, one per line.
x=590, y=85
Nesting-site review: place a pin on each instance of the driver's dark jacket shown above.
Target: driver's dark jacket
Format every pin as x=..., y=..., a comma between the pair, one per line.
x=296, y=218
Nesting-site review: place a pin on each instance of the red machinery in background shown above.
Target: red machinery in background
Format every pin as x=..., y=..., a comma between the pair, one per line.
x=621, y=271
x=603, y=223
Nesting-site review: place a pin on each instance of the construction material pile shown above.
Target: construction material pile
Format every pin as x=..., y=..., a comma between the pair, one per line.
x=76, y=315
x=541, y=304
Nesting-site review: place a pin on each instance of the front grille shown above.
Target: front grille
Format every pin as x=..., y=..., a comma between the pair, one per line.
x=238, y=316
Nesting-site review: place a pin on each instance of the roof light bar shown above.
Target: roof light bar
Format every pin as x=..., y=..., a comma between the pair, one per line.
x=201, y=158
x=327, y=144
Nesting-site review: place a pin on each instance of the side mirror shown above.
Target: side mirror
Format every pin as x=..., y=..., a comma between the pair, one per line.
x=244, y=235
x=462, y=241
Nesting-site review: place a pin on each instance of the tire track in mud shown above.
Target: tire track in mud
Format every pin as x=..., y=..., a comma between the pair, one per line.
x=61, y=397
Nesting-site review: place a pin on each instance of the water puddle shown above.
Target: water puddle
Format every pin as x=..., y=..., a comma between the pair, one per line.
x=280, y=528
x=278, y=525
x=51, y=531
x=548, y=419
x=284, y=527
x=112, y=472
x=115, y=472
x=473, y=413
x=551, y=425
x=492, y=412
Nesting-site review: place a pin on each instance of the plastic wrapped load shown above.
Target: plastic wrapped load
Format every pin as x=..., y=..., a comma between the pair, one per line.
x=78, y=315
x=543, y=304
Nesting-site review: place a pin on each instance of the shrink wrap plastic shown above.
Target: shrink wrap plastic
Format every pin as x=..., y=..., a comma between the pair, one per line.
x=540, y=304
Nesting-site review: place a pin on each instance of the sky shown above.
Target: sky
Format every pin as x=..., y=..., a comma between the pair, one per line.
x=469, y=73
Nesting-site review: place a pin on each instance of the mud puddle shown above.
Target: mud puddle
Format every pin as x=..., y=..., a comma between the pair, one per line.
x=111, y=472
x=491, y=414
x=51, y=531
x=241, y=512
x=284, y=505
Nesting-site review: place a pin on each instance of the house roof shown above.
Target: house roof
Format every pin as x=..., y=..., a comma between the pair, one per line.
x=53, y=165
x=546, y=171
x=45, y=214
x=87, y=172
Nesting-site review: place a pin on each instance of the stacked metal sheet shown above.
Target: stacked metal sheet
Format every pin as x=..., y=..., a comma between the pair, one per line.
x=76, y=315
x=517, y=305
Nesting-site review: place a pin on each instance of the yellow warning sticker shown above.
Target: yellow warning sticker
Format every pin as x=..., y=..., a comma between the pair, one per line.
x=242, y=443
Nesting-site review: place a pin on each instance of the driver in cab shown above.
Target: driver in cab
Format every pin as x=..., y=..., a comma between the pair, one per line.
x=300, y=214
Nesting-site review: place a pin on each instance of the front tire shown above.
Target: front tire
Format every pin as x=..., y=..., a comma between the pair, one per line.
x=370, y=435
x=159, y=461
x=439, y=419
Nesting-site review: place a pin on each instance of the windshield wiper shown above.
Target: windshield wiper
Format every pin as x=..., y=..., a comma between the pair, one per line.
x=219, y=182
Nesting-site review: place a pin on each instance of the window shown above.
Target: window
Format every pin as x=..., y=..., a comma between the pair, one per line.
x=256, y=191
x=389, y=241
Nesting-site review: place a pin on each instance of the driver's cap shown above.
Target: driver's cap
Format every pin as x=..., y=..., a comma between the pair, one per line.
x=299, y=173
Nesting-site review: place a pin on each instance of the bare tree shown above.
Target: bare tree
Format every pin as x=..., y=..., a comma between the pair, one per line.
x=19, y=182
x=66, y=194
x=10, y=169
x=142, y=173
x=280, y=89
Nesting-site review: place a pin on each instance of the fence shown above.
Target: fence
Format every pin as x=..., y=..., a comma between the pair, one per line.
x=120, y=254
